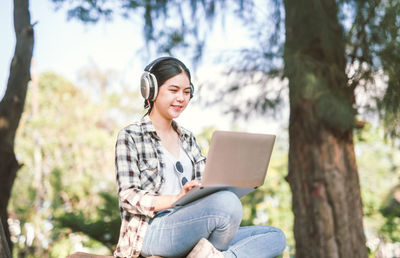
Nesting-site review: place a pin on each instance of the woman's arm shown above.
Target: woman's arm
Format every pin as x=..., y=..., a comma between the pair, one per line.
x=163, y=202
x=131, y=196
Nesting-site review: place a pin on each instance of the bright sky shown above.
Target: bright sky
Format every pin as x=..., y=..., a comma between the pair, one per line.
x=68, y=46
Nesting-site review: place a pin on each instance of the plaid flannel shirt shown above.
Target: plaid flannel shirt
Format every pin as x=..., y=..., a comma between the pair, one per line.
x=139, y=170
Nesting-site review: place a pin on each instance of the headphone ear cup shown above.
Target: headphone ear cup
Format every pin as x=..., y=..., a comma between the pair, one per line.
x=191, y=90
x=148, y=86
x=145, y=85
x=153, y=87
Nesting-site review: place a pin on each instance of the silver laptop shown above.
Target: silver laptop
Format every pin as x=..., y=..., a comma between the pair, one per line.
x=236, y=161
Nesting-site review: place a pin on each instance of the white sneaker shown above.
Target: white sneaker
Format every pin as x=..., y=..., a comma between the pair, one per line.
x=204, y=249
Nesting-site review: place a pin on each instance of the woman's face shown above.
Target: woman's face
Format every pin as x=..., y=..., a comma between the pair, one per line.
x=173, y=96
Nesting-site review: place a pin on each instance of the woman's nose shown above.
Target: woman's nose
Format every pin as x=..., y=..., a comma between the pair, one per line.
x=181, y=96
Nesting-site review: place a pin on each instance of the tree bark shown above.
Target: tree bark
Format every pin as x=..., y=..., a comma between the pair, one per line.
x=323, y=172
x=12, y=105
x=4, y=251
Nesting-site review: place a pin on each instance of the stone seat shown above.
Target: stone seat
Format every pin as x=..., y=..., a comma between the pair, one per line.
x=86, y=255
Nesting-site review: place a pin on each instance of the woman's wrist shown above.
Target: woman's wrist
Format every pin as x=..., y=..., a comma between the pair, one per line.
x=175, y=198
x=164, y=202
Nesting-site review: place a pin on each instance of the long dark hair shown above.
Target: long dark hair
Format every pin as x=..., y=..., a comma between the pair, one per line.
x=164, y=70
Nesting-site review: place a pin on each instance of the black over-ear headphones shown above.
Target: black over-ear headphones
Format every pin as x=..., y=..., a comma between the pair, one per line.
x=148, y=81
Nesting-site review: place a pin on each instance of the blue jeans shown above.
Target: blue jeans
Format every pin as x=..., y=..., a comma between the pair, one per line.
x=217, y=217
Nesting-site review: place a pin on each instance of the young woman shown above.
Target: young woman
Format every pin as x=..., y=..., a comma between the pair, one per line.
x=157, y=162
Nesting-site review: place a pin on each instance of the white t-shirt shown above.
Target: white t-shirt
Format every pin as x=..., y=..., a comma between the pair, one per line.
x=171, y=184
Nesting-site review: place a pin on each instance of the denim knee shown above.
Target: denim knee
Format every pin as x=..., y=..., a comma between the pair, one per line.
x=282, y=236
x=228, y=203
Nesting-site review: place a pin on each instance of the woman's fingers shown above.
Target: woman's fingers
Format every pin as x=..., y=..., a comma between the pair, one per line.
x=191, y=184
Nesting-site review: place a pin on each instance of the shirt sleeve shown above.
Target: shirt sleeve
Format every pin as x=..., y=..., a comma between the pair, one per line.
x=131, y=196
x=199, y=158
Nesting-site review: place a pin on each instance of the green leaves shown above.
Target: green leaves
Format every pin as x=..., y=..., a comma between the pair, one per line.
x=66, y=189
x=390, y=209
x=104, y=227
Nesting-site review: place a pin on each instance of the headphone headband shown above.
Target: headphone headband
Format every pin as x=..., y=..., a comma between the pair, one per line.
x=152, y=64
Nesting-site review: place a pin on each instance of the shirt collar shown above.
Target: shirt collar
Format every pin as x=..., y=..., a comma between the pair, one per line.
x=148, y=127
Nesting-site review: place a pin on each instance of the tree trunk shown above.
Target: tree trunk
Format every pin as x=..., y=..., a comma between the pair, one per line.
x=4, y=251
x=12, y=105
x=322, y=167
